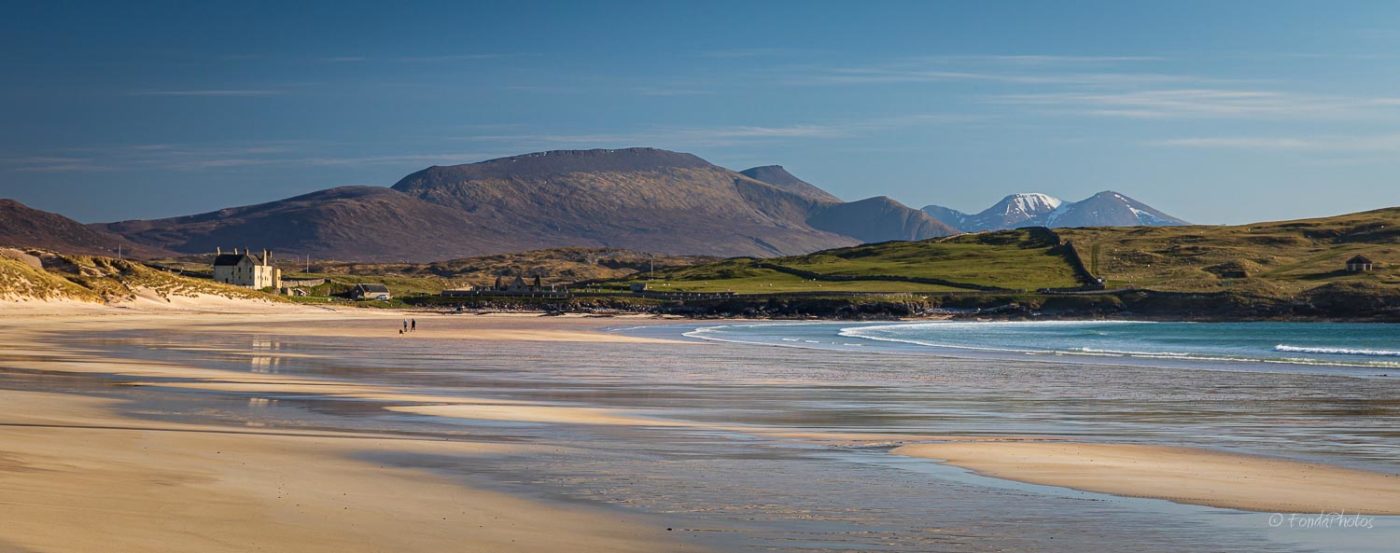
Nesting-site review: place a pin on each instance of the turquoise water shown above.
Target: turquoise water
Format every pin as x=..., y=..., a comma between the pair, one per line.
x=1253, y=344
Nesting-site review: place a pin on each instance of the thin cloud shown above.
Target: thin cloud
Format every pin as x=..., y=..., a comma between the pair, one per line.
x=1024, y=69
x=1204, y=103
x=173, y=157
x=209, y=92
x=729, y=135
x=1322, y=144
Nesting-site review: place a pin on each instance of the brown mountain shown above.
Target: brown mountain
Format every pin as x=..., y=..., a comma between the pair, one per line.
x=22, y=226
x=637, y=198
x=352, y=223
x=777, y=176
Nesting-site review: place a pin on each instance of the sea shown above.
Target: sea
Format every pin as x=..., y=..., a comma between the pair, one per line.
x=1359, y=349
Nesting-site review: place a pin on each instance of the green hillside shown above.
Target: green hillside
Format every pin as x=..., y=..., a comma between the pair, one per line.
x=1277, y=260
x=1282, y=258
x=1026, y=259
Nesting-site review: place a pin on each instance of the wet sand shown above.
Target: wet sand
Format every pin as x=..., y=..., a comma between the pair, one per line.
x=1184, y=475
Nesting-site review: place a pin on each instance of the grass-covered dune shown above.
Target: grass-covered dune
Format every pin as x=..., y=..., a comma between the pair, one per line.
x=27, y=275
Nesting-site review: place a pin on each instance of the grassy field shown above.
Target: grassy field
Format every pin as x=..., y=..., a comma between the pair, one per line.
x=1282, y=258
x=1013, y=260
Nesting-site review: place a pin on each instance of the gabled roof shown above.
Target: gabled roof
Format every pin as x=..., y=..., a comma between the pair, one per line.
x=1360, y=260
x=230, y=259
x=372, y=287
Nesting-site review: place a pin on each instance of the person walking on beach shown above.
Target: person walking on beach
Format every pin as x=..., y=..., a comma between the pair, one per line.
x=414, y=323
x=405, y=325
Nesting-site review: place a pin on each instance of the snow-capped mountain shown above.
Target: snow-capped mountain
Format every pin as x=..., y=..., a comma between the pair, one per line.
x=1011, y=212
x=1109, y=209
x=1106, y=208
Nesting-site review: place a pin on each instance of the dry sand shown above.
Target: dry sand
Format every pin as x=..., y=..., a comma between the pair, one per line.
x=1183, y=475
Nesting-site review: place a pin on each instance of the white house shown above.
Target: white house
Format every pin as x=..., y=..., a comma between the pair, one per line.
x=241, y=269
x=370, y=291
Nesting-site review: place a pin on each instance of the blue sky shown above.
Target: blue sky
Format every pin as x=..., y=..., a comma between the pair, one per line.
x=1217, y=112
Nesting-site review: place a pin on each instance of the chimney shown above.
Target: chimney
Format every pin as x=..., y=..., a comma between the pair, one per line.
x=218, y=250
x=235, y=251
x=264, y=257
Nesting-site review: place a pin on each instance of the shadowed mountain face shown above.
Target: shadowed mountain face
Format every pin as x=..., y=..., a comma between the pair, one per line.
x=878, y=219
x=25, y=227
x=638, y=198
x=1104, y=209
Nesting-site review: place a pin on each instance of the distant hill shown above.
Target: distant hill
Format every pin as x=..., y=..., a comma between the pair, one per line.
x=25, y=227
x=1105, y=209
x=641, y=199
x=356, y=223
x=878, y=219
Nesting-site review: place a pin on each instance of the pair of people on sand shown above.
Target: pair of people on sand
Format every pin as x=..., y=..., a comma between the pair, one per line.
x=409, y=325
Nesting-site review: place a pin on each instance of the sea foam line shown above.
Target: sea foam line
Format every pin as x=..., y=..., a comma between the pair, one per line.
x=1337, y=351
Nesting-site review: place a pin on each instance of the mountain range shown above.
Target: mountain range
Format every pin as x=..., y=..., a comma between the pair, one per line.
x=1105, y=209
x=641, y=199
x=637, y=198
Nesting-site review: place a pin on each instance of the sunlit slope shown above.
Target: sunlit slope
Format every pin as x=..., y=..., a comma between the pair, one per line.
x=1281, y=258
x=1011, y=260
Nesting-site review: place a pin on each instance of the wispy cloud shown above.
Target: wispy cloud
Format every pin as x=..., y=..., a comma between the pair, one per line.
x=1205, y=103
x=1024, y=69
x=739, y=53
x=429, y=58
x=1378, y=143
x=720, y=136
x=197, y=158
x=209, y=92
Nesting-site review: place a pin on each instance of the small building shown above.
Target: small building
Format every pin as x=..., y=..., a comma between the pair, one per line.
x=242, y=269
x=638, y=286
x=370, y=291
x=1360, y=264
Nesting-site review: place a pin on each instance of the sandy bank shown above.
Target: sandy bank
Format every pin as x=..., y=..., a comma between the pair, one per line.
x=76, y=478
x=1183, y=475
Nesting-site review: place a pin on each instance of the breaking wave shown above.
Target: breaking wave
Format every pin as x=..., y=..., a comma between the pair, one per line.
x=1337, y=351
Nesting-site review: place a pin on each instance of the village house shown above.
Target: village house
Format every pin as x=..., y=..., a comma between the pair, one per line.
x=242, y=269
x=370, y=291
x=1360, y=264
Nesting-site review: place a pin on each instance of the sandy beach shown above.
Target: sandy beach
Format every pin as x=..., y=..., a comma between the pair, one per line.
x=145, y=486
x=173, y=483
